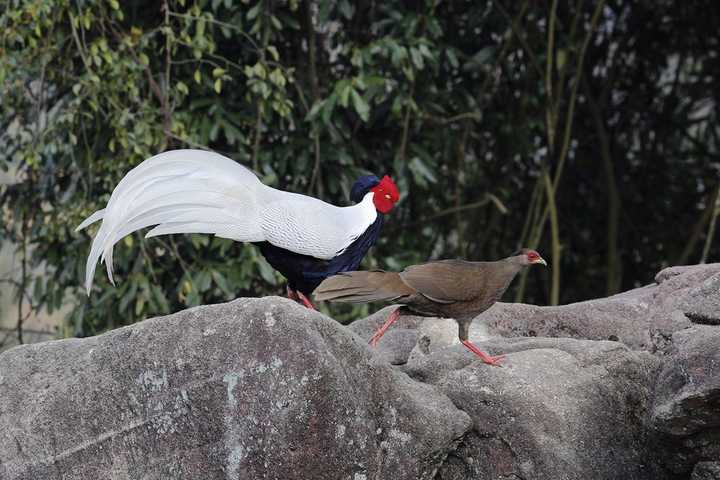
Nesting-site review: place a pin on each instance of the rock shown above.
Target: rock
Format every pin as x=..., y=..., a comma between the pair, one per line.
x=686, y=410
x=622, y=387
x=603, y=319
x=702, y=303
x=688, y=388
x=256, y=388
x=706, y=471
x=644, y=318
x=399, y=341
x=558, y=409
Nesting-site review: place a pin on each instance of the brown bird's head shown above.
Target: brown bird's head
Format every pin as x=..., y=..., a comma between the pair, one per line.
x=526, y=256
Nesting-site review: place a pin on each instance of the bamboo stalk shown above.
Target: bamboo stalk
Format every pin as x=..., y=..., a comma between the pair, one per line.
x=613, y=280
x=550, y=110
x=711, y=227
x=694, y=237
x=555, y=233
x=569, y=120
x=315, y=180
x=259, y=113
x=528, y=228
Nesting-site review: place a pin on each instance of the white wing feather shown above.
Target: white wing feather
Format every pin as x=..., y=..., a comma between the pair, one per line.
x=195, y=191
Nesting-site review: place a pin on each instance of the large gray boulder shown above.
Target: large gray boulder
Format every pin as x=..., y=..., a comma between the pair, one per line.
x=256, y=388
x=623, y=387
x=558, y=409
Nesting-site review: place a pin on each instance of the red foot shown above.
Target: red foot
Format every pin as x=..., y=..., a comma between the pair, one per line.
x=299, y=297
x=304, y=300
x=490, y=360
x=381, y=331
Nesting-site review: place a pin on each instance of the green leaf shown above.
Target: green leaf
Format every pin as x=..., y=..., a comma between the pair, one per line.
x=275, y=22
x=478, y=61
x=139, y=304
x=202, y=280
x=317, y=106
x=329, y=107
x=222, y=283
x=197, y=77
x=324, y=10
x=452, y=58
x=266, y=271
x=277, y=77
x=253, y=12
x=417, y=58
x=182, y=88
x=398, y=55
x=199, y=241
x=218, y=86
x=346, y=9
x=421, y=172
x=361, y=106
x=259, y=70
x=343, y=88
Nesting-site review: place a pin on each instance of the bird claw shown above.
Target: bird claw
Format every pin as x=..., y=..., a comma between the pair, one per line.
x=489, y=359
x=493, y=360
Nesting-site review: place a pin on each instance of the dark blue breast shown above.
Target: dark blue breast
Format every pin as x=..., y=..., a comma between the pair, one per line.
x=305, y=273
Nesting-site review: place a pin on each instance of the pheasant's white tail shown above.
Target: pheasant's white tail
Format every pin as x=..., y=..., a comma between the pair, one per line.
x=180, y=191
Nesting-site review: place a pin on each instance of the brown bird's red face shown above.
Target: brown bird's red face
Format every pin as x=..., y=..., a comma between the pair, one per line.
x=386, y=195
x=525, y=256
x=534, y=257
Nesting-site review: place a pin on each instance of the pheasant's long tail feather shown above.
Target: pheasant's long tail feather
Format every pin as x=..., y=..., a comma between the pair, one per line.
x=181, y=191
x=362, y=287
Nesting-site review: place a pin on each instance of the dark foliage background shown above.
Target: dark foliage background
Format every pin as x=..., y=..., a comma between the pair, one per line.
x=586, y=129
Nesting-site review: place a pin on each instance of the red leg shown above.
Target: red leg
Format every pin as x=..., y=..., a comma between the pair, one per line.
x=304, y=300
x=490, y=360
x=381, y=331
x=291, y=294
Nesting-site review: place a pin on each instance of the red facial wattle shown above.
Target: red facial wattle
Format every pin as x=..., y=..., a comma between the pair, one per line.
x=534, y=257
x=385, y=195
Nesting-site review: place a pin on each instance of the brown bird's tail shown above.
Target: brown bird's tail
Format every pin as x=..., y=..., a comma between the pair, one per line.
x=362, y=286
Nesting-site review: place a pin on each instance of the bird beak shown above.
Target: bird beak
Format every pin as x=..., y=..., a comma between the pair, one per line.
x=541, y=260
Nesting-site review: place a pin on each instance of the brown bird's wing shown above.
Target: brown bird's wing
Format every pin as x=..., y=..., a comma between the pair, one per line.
x=445, y=281
x=362, y=286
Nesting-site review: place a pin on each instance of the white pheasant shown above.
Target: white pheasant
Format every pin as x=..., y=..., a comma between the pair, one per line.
x=196, y=191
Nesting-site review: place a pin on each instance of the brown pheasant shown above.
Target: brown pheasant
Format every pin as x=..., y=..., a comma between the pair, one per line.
x=446, y=288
